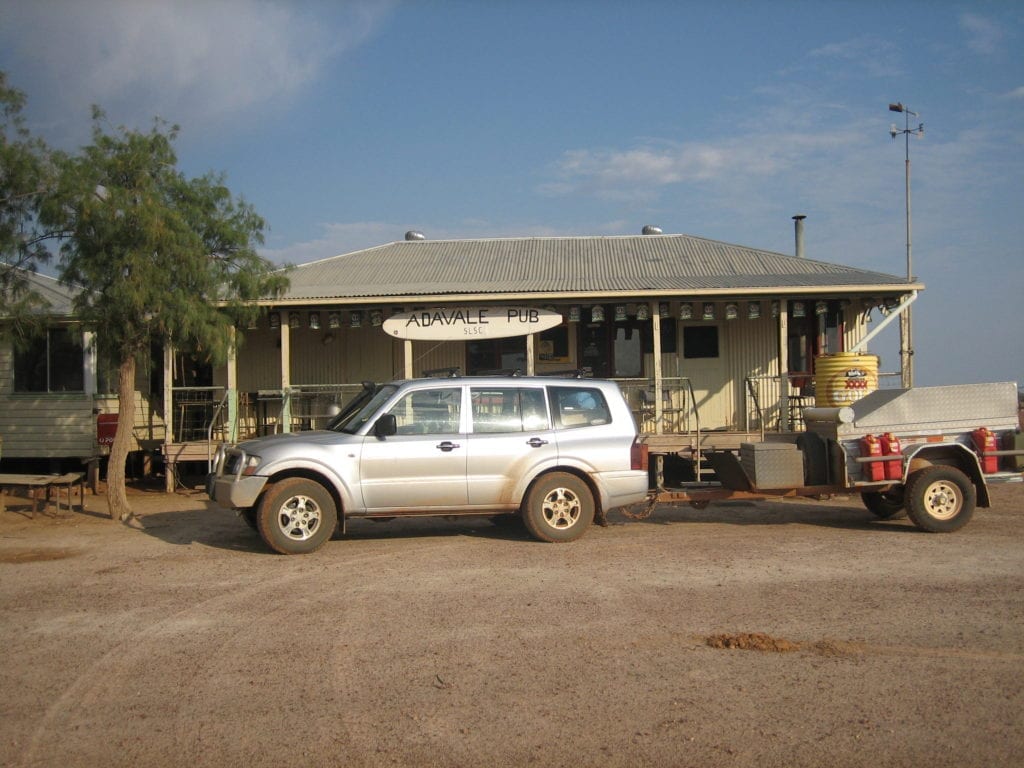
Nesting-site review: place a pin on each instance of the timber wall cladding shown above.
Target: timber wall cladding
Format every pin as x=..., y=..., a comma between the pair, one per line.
x=47, y=426
x=321, y=357
x=42, y=425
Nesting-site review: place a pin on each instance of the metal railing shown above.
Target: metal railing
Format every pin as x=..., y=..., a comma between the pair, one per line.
x=194, y=412
x=677, y=403
x=766, y=404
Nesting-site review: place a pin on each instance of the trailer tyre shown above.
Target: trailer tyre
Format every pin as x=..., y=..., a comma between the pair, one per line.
x=296, y=516
x=940, y=499
x=886, y=505
x=559, y=507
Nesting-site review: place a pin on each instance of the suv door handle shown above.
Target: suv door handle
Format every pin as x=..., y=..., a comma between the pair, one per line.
x=536, y=442
x=447, y=446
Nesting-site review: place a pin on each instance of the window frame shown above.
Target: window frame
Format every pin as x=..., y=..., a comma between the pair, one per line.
x=70, y=352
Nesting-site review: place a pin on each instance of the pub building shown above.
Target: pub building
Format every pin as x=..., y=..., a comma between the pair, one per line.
x=712, y=344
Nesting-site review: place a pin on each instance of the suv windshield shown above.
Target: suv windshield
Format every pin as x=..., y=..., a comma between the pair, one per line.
x=352, y=418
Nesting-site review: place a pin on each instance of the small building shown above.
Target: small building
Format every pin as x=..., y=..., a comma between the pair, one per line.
x=54, y=392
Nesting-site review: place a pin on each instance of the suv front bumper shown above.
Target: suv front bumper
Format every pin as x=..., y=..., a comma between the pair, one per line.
x=235, y=492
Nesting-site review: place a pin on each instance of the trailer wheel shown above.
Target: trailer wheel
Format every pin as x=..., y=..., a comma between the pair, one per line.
x=940, y=499
x=296, y=516
x=559, y=507
x=886, y=505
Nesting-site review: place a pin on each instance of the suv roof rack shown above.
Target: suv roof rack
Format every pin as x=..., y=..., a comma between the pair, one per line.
x=448, y=373
x=586, y=372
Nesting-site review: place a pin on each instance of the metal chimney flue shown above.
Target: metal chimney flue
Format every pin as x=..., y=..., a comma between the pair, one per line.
x=798, y=227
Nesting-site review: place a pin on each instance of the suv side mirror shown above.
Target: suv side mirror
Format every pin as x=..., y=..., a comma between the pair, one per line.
x=386, y=425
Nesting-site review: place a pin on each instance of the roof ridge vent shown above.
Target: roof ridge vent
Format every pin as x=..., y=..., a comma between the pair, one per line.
x=412, y=234
x=650, y=229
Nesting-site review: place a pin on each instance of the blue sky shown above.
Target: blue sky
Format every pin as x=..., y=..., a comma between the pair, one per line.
x=346, y=124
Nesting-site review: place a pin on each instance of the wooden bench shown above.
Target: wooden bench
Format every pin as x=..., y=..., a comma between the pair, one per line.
x=40, y=488
x=67, y=483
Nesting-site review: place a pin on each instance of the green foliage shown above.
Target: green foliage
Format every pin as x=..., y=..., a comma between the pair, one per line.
x=25, y=177
x=159, y=257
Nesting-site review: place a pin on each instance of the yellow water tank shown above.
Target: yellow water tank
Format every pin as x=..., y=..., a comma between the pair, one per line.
x=844, y=378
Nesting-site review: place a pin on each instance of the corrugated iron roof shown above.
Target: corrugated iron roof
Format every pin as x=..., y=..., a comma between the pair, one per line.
x=58, y=297
x=584, y=265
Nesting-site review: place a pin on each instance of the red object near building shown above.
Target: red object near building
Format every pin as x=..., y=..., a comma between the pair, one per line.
x=891, y=447
x=985, y=442
x=106, y=427
x=871, y=446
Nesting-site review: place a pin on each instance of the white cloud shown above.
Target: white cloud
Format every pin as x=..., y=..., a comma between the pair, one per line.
x=627, y=172
x=873, y=56
x=983, y=35
x=1016, y=93
x=191, y=62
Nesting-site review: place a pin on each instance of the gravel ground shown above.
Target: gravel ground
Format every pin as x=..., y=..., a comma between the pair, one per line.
x=748, y=634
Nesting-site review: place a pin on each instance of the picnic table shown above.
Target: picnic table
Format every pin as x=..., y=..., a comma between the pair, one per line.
x=41, y=488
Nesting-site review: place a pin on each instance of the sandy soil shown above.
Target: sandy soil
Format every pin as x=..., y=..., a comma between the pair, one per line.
x=747, y=634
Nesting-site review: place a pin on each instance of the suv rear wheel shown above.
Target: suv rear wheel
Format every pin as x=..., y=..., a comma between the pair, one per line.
x=559, y=507
x=296, y=516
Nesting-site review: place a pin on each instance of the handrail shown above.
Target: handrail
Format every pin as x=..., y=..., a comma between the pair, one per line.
x=752, y=391
x=696, y=424
x=209, y=429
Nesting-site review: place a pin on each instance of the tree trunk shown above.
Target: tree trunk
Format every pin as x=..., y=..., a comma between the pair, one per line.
x=117, y=492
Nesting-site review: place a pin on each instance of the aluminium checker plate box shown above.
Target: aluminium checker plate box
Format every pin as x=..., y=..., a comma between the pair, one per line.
x=772, y=465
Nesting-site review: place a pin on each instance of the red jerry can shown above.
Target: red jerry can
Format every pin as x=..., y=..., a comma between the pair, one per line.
x=985, y=442
x=870, y=446
x=891, y=447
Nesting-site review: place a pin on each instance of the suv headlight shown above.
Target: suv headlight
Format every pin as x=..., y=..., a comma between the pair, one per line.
x=238, y=463
x=250, y=464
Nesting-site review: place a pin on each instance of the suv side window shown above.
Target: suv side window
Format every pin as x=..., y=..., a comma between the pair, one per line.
x=498, y=410
x=579, y=407
x=429, y=411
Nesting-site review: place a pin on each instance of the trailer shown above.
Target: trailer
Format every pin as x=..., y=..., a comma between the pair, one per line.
x=927, y=452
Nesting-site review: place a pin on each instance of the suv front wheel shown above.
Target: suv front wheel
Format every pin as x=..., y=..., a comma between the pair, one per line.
x=296, y=516
x=559, y=507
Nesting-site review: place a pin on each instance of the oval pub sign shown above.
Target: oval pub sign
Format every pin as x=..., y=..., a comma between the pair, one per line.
x=470, y=323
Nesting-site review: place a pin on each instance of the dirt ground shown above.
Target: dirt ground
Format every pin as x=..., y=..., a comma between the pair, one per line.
x=747, y=634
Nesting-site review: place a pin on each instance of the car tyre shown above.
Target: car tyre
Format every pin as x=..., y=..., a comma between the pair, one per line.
x=249, y=515
x=296, y=516
x=559, y=507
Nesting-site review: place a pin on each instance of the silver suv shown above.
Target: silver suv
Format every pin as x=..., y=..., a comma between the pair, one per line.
x=556, y=452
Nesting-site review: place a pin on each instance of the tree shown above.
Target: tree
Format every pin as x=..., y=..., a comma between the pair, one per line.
x=158, y=257
x=25, y=177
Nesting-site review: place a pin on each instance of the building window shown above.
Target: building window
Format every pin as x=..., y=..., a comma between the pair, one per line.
x=51, y=362
x=700, y=341
x=498, y=355
x=628, y=353
x=553, y=345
